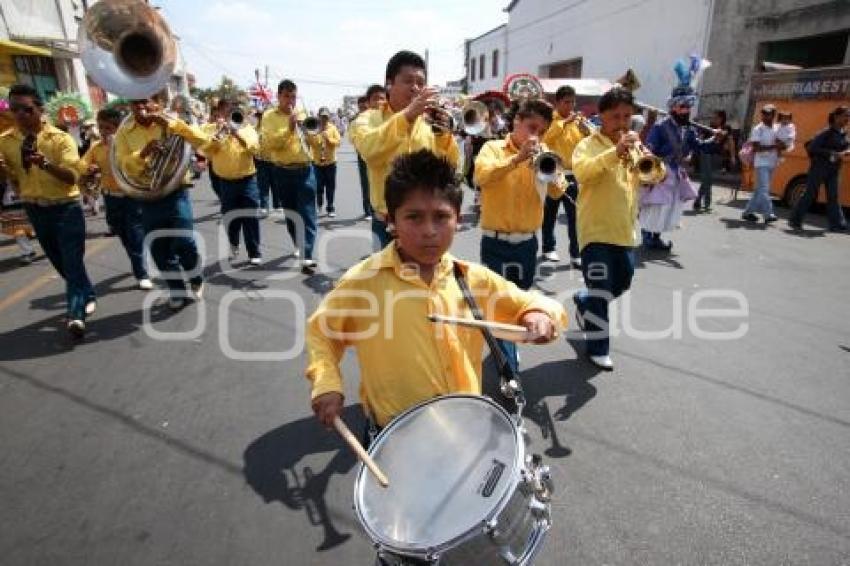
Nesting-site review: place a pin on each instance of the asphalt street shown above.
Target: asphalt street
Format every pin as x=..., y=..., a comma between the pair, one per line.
x=185, y=439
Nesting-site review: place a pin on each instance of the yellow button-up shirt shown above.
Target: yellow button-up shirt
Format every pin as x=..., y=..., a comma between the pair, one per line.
x=98, y=154
x=132, y=137
x=331, y=144
x=511, y=198
x=380, y=307
x=382, y=134
x=279, y=144
x=228, y=157
x=564, y=134
x=607, y=205
x=37, y=184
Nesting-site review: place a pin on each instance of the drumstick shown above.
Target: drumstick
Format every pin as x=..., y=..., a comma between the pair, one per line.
x=512, y=332
x=355, y=445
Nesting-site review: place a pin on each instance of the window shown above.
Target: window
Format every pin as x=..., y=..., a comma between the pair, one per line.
x=472, y=69
x=812, y=51
x=495, y=62
x=565, y=70
x=481, y=66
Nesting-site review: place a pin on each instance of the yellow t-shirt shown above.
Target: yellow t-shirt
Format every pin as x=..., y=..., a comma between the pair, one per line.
x=331, y=144
x=279, y=144
x=563, y=136
x=37, y=184
x=229, y=158
x=98, y=154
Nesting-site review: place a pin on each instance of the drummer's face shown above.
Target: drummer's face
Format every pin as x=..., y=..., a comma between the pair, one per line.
x=425, y=226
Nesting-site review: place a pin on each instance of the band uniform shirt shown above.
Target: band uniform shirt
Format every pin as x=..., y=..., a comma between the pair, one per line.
x=380, y=307
x=37, y=184
x=331, y=144
x=607, y=205
x=229, y=159
x=132, y=137
x=764, y=135
x=382, y=134
x=511, y=198
x=279, y=144
x=563, y=135
x=98, y=154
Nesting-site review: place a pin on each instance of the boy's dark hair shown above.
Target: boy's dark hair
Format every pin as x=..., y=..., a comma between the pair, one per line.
x=26, y=90
x=373, y=89
x=530, y=108
x=615, y=97
x=838, y=111
x=286, y=86
x=563, y=92
x=111, y=115
x=421, y=170
x=401, y=59
x=362, y=99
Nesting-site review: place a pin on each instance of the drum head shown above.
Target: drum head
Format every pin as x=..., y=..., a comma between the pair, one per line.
x=451, y=463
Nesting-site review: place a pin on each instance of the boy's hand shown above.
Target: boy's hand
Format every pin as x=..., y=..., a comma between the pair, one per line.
x=327, y=406
x=540, y=327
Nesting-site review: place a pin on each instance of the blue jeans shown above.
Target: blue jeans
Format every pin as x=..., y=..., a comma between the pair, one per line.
x=265, y=170
x=515, y=262
x=608, y=271
x=173, y=253
x=363, y=171
x=820, y=175
x=326, y=185
x=244, y=196
x=380, y=236
x=124, y=216
x=760, y=201
x=297, y=188
x=550, y=218
x=61, y=231
x=706, y=178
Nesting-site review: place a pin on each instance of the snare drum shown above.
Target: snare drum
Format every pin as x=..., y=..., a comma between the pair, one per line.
x=462, y=490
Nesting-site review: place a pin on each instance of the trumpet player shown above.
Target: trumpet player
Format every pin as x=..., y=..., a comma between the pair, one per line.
x=568, y=128
x=512, y=199
x=44, y=162
x=399, y=127
x=293, y=176
x=323, y=145
x=607, y=209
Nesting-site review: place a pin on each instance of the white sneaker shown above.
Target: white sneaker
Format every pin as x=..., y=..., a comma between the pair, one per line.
x=198, y=291
x=91, y=306
x=256, y=261
x=145, y=284
x=76, y=327
x=368, y=217
x=552, y=256
x=175, y=303
x=296, y=254
x=278, y=212
x=602, y=362
x=575, y=262
x=308, y=267
x=234, y=252
x=331, y=214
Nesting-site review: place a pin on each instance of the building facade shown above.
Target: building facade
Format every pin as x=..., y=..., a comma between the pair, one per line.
x=486, y=60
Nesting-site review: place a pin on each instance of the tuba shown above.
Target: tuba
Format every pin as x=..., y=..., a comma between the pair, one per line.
x=128, y=49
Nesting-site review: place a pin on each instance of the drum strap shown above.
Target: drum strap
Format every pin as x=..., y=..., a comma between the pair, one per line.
x=509, y=377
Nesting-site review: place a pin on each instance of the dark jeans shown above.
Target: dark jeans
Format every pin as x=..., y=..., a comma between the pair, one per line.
x=173, y=253
x=244, y=196
x=297, y=188
x=364, y=185
x=124, y=216
x=265, y=186
x=61, y=231
x=326, y=185
x=215, y=181
x=550, y=218
x=380, y=236
x=515, y=262
x=819, y=175
x=706, y=180
x=608, y=271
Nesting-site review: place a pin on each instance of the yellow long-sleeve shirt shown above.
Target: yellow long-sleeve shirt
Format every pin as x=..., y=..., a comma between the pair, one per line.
x=380, y=307
x=510, y=198
x=37, y=184
x=132, y=137
x=280, y=144
x=563, y=136
x=98, y=154
x=382, y=134
x=228, y=157
x=332, y=142
x=607, y=205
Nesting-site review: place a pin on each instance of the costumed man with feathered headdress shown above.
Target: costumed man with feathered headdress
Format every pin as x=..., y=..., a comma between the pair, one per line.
x=674, y=140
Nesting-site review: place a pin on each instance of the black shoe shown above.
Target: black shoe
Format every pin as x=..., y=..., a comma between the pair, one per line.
x=840, y=228
x=771, y=218
x=750, y=217
x=795, y=225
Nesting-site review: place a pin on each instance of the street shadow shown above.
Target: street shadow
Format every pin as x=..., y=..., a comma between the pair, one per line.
x=331, y=224
x=664, y=258
x=741, y=224
x=11, y=263
x=102, y=288
x=272, y=470
x=319, y=283
x=805, y=233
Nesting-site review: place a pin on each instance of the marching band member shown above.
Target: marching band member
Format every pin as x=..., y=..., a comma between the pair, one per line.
x=265, y=172
x=137, y=142
x=43, y=161
x=414, y=276
x=568, y=128
x=324, y=145
x=511, y=201
x=293, y=176
x=123, y=214
x=607, y=209
x=375, y=97
x=231, y=154
x=382, y=134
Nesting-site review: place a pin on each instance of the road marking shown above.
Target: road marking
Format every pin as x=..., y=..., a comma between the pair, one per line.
x=44, y=279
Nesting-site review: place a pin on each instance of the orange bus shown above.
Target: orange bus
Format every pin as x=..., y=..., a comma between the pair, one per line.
x=810, y=95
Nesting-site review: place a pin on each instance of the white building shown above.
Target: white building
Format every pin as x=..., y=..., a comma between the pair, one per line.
x=592, y=39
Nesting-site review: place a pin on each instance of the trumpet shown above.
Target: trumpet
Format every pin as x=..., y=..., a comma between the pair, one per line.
x=311, y=126
x=548, y=166
x=474, y=119
x=650, y=168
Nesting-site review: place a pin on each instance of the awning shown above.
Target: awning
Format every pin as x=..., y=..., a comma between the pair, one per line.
x=14, y=48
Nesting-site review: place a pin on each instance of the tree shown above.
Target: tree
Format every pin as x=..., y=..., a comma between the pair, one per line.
x=227, y=88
